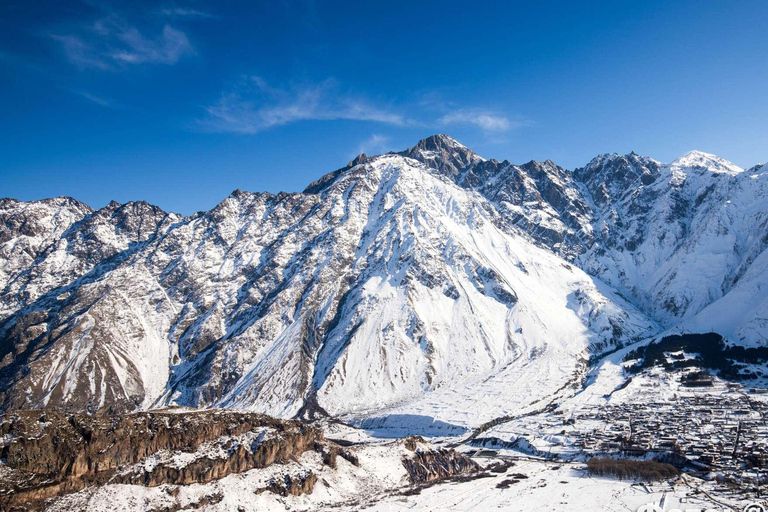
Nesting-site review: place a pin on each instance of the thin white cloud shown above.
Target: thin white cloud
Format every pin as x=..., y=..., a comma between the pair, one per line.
x=92, y=97
x=113, y=43
x=165, y=49
x=182, y=12
x=256, y=106
x=375, y=144
x=486, y=120
x=80, y=53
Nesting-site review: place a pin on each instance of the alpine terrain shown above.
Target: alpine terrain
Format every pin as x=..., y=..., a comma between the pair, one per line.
x=428, y=292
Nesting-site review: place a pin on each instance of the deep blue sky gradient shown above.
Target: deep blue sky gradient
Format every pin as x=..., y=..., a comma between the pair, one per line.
x=180, y=103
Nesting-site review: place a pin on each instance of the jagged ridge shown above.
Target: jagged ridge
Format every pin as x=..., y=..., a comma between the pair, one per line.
x=407, y=283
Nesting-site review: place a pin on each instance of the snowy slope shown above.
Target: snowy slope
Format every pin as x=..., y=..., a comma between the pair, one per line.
x=682, y=238
x=741, y=313
x=431, y=283
x=540, y=199
x=673, y=238
x=28, y=229
x=388, y=284
x=453, y=302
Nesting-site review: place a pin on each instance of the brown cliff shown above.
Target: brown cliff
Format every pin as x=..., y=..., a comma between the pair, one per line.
x=433, y=465
x=50, y=454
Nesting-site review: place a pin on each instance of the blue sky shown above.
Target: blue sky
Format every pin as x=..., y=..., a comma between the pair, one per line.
x=179, y=103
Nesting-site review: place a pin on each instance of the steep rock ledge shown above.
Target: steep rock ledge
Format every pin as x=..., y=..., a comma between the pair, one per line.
x=47, y=453
x=434, y=465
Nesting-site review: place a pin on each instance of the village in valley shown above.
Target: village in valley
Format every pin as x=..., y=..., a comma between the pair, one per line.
x=714, y=430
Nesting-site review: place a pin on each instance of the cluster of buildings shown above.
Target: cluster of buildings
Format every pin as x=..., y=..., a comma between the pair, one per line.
x=717, y=430
x=720, y=432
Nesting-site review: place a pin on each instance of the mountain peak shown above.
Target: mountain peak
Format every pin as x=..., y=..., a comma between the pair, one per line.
x=444, y=153
x=439, y=141
x=359, y=159
x=707, y=160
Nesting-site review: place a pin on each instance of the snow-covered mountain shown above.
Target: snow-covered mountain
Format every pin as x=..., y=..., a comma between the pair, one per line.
x=673, y=238
x=430, y=282
x=680, y=237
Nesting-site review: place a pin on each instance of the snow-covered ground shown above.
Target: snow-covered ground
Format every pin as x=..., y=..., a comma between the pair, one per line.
x=549, y=487
x=380, y=484
x=380, y=471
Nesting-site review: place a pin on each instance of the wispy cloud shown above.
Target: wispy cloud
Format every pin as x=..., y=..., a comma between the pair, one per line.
x=80, y=53
x=92, y=97
x=255, y=106
x=485, y=120
x=183, y=12
x=494, y=123
x=374, y=144
x=113, y=43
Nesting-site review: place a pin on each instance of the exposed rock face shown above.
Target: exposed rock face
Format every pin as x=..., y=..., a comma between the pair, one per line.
x=292, y=485
x=54, y=460
x=676, y=238
x=51, y=454
x=450, y=158
x=433, y=465
x=540, y=198
x=332, y=451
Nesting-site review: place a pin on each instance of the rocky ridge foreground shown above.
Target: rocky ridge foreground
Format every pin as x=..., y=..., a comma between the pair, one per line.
x=48, y=454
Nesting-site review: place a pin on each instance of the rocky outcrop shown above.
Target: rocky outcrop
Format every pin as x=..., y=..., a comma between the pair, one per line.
x=291, y=485
x=50, y=454
x=540, y=199
x=331, y=451
x=450, y=158
x=434, y=465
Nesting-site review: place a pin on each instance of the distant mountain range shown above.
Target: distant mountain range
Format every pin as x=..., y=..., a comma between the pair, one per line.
x=429, y=282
